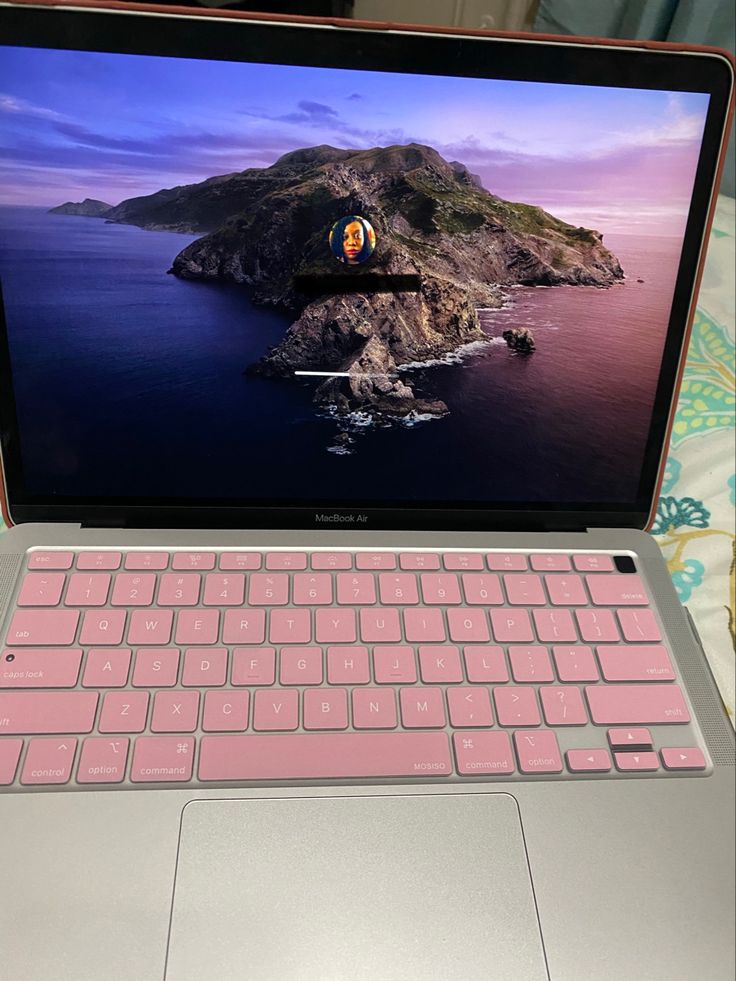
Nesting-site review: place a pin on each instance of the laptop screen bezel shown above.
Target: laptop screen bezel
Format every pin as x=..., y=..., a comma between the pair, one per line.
x=134, y=32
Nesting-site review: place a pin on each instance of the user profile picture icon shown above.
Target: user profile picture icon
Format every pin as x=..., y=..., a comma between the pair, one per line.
x=352, y=240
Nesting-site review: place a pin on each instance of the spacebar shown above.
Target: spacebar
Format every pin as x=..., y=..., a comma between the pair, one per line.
x=324, y=755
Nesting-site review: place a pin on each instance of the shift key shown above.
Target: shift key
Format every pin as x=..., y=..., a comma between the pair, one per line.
x=31, y=712
x=636, y=704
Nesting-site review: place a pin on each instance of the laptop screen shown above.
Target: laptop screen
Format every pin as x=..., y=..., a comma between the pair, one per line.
x=261, y=282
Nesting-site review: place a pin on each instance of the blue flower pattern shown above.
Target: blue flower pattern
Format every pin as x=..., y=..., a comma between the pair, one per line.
x=674, y=513
x=685, y=580
x=671, y=474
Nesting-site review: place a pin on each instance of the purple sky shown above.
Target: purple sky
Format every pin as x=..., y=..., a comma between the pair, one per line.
x=79, y=124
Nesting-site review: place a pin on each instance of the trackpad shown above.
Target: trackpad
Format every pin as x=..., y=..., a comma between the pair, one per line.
x=354, y=889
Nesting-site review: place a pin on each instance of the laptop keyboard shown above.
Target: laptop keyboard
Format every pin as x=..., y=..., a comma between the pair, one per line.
x=164, y=668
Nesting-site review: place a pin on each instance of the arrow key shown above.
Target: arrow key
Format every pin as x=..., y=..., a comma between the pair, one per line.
x=588, y=761
x=630, y=738
x=627, y=762
x=683, y=758
x=49, y=760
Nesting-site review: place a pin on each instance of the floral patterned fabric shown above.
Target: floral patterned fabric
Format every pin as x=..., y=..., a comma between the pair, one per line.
x=694, y=524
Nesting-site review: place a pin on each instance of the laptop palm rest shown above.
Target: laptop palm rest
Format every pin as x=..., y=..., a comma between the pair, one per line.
x=358, y=888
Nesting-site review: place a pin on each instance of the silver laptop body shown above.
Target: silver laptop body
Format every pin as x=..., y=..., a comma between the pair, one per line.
x=246, y=852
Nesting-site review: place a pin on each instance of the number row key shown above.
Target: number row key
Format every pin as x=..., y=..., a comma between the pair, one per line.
x=138, y=588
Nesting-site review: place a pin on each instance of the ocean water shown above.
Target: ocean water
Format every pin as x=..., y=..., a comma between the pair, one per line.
x=129, y=383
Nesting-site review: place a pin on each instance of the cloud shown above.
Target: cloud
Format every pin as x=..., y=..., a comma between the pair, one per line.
x=633, y=186
x=676, y=122
x=318, y=116
x=679, y=129
x=82, y=136
x=309, y=112
x=185, y=145
x=473, y=153
x=353, y=97
x=316, y=109
x=619, y=218
x=21, y=107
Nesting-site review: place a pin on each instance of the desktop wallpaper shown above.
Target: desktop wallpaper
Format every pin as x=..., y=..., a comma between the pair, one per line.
x=160, y=217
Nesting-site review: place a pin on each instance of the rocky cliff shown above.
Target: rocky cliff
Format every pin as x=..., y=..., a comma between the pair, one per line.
x=194, y=207
x=89, y=208
x=432, y=219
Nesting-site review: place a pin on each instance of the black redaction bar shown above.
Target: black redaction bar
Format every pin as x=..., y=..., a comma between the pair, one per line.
x=359, y=283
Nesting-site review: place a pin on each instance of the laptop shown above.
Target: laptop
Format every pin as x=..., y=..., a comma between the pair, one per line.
x=338, y=361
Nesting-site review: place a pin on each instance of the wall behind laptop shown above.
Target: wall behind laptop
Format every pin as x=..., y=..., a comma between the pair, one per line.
x=498, y=15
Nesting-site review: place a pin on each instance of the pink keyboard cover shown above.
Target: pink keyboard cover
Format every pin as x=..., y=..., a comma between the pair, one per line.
x=162, y=668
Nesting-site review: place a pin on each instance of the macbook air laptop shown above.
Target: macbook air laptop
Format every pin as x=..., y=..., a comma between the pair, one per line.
x=337, y=365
